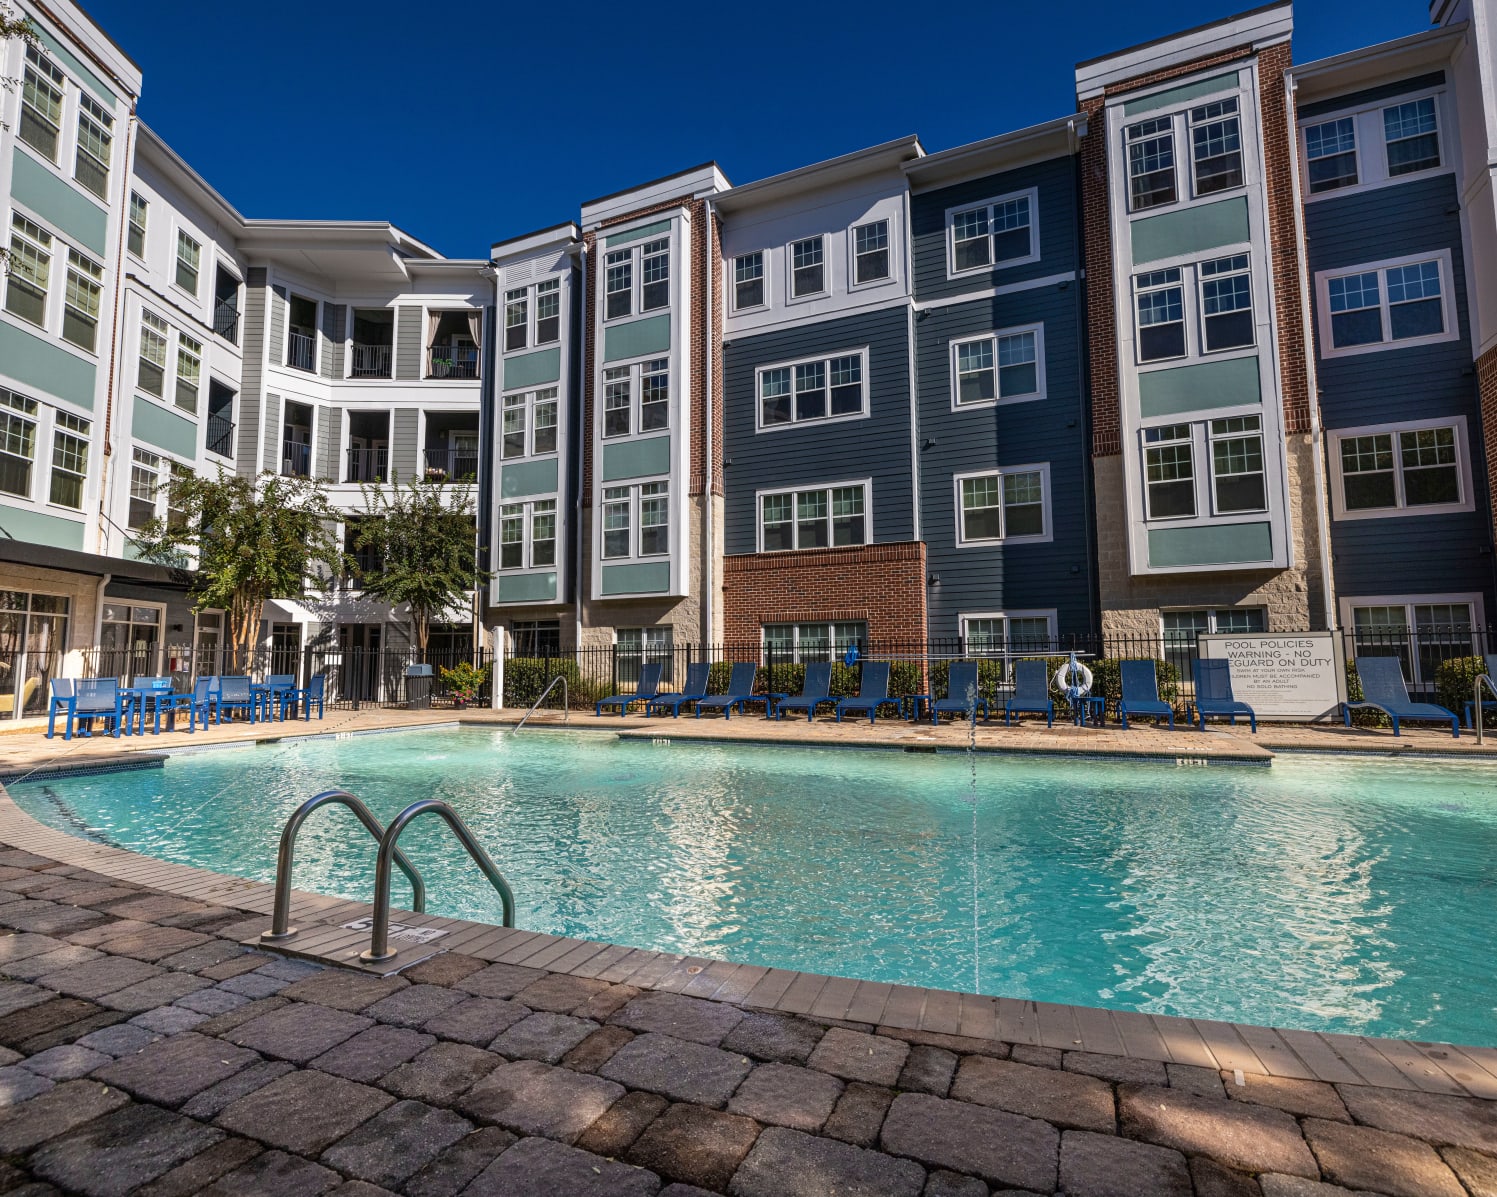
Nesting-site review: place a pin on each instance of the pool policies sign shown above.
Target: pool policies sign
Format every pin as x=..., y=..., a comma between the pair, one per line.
x=1299, y=676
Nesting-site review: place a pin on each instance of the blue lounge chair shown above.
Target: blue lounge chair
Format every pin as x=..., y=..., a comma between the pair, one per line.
x=234, y=694
x=1486, y=704
x=314, y=691
x=873, y=691
x=97, y=698
x=694, y=690
x=1031, y=693
x=649, y=682
x=1214, y=693
x=1383, y=689
x=62, y=701
x=962, y=695
x=814, y=691
x=740, y=691
x=1141, y=694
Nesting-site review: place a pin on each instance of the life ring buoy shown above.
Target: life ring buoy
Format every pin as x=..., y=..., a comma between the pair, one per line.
x=1062, y=679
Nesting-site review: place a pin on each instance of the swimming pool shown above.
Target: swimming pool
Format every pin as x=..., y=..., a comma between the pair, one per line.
x=1328, y=893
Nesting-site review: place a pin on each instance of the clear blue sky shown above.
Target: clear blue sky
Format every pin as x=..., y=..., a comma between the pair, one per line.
x=497, y=119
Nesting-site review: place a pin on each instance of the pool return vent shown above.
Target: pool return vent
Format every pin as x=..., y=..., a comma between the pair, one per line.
x=566, y=704
x=390, y=857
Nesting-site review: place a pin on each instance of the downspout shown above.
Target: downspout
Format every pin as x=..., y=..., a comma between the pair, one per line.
x=1083, y=392
x=114, y=335
x=913, y=373
x=709, y=334
x=583, y=432
x=1312, y=378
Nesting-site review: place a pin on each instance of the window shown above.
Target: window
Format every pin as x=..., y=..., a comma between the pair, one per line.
x=80, y=311
x=813, y=519
x=1331, y=151
x=176, y=514
x=1216, y=146
x=535, y=411
x=870, y=244
x=650, y=263
x=1385, y=305
x=1226, y=303
x=645, y=507
x=536, y=637
x=41, y=104
x=655, y=275
x=1393, y=470
x=1412, y=135
x=635, y=646
x=517, y=308
x=527, y=534
x=189, y=368
x=548, y=312
x=1007, y=505
x=69, y=460
x=650, y=381
x=803, y=643
x=151, y=376
x=618, y=276
x=748, y=281
x=188, y=254
x=998, y=233
x=30, y=270
x=136, y=242
x=17, y=443
x=1422, y=631
x=1182, y=627
x=824, y=389
x=1029, y=631
x=1006, y=365
x=35, y=627
x=807, y=267
x=1161, y=315
x=91, y=168
x=1151, y=163
x=516, y=318
x=145, y=474
x=1169, y=472
x=1237, y=477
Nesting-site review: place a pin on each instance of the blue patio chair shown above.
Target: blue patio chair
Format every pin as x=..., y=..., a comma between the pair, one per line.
x=739, y=692
x=1141, y=694
x=234, y=694
x=63, y=699
x=1213, y=678
x=1383, y=689
x=873, y=692
x=201, y=703
x=273, y=687
x=97, y=698
x=694, y=690
x=1031, y=693
x=962, y=697
x=1487, y=704
x=649, y=683
x=815, y=690
x=313, y=691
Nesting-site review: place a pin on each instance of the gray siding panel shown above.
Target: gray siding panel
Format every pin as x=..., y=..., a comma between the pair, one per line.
x=876, y=447
x=1384, y=91
x=329, y=439
x=252, y=375
x=332, y=340
x=279, y=312
x=1417, y=554
x=405, y=448
x=273, y=433
x=408, y=337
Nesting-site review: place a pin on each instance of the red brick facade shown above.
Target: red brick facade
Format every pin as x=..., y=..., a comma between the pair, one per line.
x=882, y=585
x=1486, y=390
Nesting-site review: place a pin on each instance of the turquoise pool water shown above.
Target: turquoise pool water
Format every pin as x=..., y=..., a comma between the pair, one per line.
x=1326, y=892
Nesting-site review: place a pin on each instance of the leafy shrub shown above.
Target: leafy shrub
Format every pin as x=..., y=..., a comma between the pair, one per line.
x=1455, y=684
x=526, y=677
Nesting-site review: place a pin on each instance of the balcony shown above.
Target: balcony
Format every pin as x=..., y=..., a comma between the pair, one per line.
x=452, y=465
x=452, y=361
x=220, y=435
x=226, y=321
x=296, y=459
x=368, y=465
x=369, y=361
x=301, y=350
x=373, y=343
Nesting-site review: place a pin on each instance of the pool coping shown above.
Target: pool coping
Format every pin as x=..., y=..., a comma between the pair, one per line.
x=324, y=937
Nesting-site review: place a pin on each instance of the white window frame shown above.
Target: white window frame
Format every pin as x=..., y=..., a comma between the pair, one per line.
x=145, y=223
x=864, y=484
x=1032, y=194
x=1049, y=614
x=1047, y=508
x=527, y=533
x=1447, y=303
x=1349, y=603
x=531, y=292
x=889, y=248
x=35, y=418
x=1209, y=437
x=181, y=232
x=635, y=250
x=1331, y=118
x=54, y=78
x=57, y=431
x=826, y=269
x=764, y=281
x=637, y=372
x=835, y=647
x=1339, y=509
x=531, y=395
x=636, y=529
x=999, y=398
x=826, y=360
x=1369, y=130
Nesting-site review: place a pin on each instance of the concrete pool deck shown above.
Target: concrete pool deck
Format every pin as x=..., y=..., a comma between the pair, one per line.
x=146, y=1044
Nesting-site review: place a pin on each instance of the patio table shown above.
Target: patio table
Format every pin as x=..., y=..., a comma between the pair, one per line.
x=268, y=696
x=136, y=700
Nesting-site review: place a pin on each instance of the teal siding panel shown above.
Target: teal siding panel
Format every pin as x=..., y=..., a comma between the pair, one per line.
x=528, y=478
x=653, y=578
x=527, y=588
x=57, y=203
x=637, y=459
x=644, y=230
x=651, y=335
x=80, y=72
x=1190, y=230
x=37, y=527
x=1210, y=544
x=1201, y=387
x=35, y=362
x=532, y=369
x=166, y=430
x=1180, y=95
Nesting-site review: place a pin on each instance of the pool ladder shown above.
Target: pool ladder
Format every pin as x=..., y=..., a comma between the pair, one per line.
x=566, y=705
x=390, y=857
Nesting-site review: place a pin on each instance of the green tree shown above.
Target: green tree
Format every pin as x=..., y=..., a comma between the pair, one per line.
x=11, y=25
x=422, y=538
x=251, y=539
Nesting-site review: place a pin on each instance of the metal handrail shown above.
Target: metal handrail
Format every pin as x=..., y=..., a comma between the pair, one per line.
x=1483, y=679
x=281, y=916
x=379, y=936
x=566, y=702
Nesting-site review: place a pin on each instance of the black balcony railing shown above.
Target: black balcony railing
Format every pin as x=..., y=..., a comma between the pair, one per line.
x=220, y=435
x=301, y=350
x=368, y=465
x=296, y=459
x=226, y=322
x=369, y=361
x=454, y=465
x=452, y=361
